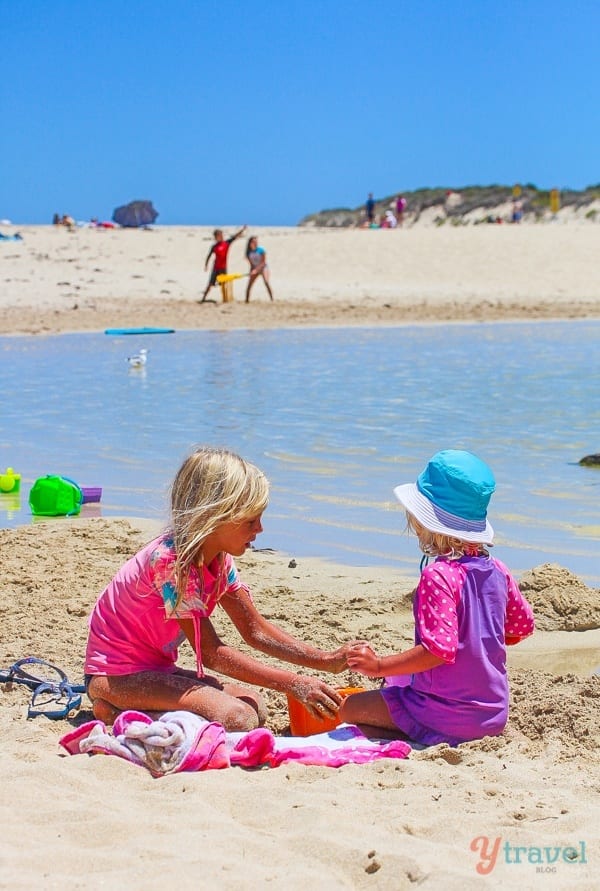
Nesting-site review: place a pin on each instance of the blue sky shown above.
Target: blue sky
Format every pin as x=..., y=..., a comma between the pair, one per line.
x=228, y=113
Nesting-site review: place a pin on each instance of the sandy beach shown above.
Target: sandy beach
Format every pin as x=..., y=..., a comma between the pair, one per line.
x=503, y=812
x=57, y=280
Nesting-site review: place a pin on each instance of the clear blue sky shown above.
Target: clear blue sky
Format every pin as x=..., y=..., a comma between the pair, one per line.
x=226, y=113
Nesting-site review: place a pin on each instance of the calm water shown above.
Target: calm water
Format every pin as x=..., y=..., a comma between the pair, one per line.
x=336, y=418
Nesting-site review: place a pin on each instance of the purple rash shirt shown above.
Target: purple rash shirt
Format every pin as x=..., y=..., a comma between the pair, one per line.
x=464, y=610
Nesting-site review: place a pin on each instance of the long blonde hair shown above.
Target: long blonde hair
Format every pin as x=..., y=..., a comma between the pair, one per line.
x=213, y=486
x=436, y=544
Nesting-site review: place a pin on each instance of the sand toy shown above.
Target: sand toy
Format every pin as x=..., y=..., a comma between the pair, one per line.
x=303, y=723
x=10, y=481
x=55, y=496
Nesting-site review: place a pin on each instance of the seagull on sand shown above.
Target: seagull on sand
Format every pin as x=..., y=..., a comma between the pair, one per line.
x=139, y=360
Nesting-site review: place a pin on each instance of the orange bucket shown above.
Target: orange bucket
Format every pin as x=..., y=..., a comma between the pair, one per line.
x=302, y=723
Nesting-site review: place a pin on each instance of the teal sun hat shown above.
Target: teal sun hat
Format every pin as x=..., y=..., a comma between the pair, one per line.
x=451, y=496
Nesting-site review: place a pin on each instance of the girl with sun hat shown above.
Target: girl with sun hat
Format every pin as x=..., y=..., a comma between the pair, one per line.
x=452, y=685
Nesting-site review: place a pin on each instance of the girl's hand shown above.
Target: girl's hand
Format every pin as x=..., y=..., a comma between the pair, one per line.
x=338, y=659
x=364, y=659
x=320, y=699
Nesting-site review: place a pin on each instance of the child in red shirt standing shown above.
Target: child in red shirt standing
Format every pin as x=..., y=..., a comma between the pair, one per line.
x=220, y=249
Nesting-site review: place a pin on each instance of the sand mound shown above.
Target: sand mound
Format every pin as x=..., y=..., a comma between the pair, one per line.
x=561, y=601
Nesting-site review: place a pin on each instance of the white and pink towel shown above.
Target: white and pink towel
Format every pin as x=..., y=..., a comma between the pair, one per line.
x=182, y=741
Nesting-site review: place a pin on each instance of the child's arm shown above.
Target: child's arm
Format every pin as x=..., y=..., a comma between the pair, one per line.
x=318, y=696
x=261, y=634
x=237, y=234
x=519, y=622
x=208, y=256
x=362, y=658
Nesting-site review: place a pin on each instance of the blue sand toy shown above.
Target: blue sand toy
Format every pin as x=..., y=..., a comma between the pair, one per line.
x=118, y=331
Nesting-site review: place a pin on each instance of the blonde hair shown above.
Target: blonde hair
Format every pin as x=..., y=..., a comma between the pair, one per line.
x=213, y=486
x=436, y=544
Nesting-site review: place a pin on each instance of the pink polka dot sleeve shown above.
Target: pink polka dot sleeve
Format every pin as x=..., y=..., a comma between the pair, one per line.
x=438, y=594
x=519, y=621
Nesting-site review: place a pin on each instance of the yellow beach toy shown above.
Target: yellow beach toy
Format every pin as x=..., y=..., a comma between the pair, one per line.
x=224, y=280
x=10, y=481
x=224, y=277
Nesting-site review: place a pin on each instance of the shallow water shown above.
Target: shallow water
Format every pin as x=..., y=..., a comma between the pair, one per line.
x=336, y=418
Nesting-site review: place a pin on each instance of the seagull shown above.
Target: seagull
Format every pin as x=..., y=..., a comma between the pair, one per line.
x=139, y=360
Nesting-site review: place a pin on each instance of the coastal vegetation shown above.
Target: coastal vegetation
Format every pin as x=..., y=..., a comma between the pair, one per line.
x=469, y=205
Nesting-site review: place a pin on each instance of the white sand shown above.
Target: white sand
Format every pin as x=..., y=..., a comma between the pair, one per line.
x=57, y=280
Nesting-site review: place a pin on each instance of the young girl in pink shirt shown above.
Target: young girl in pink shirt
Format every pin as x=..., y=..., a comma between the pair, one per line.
x=167, y=593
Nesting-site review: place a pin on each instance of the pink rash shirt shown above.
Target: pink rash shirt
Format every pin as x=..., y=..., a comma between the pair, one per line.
x=133, y=626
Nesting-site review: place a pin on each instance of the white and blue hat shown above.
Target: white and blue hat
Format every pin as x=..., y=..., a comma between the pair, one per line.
x=451, y=496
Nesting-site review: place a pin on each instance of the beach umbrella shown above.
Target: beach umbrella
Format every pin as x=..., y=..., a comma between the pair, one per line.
x=134, y=214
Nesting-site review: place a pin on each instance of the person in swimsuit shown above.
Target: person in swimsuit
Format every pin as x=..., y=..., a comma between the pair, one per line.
x=257, y=259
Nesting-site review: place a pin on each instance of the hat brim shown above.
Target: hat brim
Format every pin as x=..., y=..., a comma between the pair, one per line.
x=437, y=520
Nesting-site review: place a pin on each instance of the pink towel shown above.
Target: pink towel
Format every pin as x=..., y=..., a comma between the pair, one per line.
x=177, y=741
x=182, y=741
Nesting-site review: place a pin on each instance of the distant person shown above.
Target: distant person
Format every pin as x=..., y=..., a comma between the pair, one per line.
x=257, y=258
x=400, y=208
x=370, y=208
x=390, y=219
x=517, y=212
x=219, y=249
x=64, y=220
x=452, y=685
